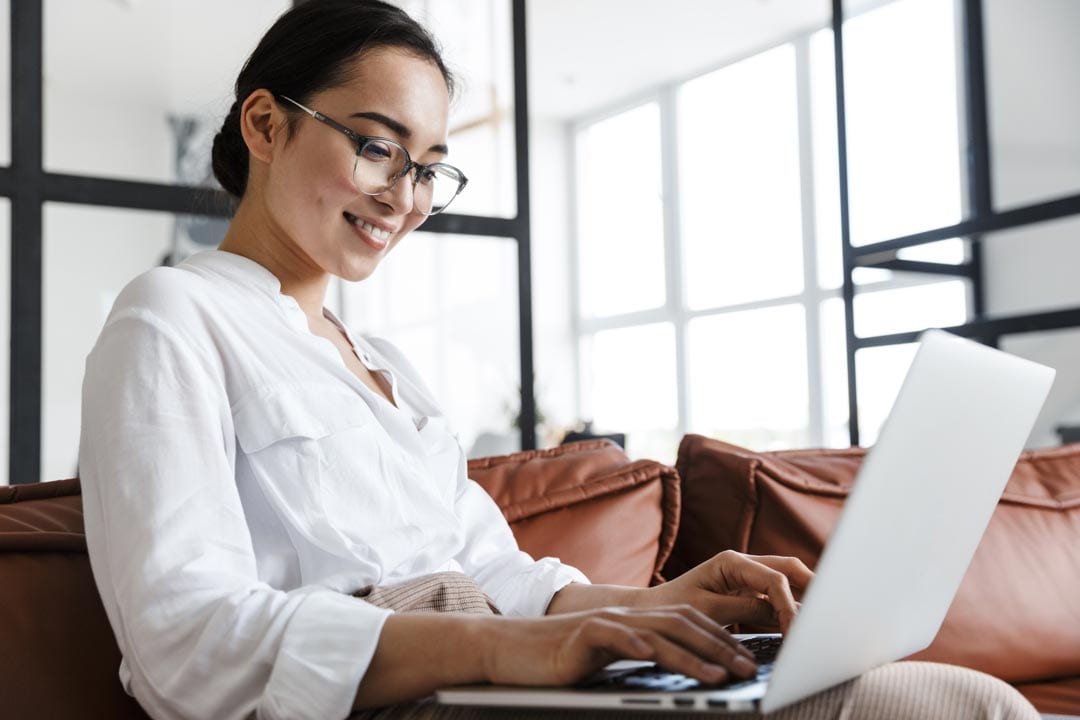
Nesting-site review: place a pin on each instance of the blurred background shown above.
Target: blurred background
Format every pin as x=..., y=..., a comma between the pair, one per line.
x=663, y=247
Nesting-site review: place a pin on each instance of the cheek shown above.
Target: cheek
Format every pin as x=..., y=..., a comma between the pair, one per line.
x=414, y=221
x=318, y=179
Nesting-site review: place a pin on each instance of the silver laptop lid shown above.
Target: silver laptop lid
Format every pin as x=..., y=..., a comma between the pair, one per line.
x=909, y=529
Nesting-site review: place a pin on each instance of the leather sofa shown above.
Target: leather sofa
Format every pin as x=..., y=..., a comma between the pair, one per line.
x=620, y=521
x=1017, y=613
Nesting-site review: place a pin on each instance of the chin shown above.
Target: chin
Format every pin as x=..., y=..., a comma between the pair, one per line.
x=358, y=269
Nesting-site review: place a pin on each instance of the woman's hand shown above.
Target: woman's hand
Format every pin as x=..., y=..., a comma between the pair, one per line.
x=736, y=588
x=564, y=649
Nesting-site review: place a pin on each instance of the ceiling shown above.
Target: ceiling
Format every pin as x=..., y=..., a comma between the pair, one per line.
x=587, y=55
x=584, y=55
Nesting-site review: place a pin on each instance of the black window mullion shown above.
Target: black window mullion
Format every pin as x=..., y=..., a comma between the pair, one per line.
x=24, y=459
x=527, y=417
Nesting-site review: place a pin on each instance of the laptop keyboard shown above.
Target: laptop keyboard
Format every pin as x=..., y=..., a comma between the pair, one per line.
x=657, y=679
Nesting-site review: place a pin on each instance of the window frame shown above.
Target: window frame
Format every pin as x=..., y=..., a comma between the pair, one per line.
x=675, y=310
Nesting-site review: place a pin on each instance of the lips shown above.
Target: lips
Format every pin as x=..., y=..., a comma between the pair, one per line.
x=379, y=235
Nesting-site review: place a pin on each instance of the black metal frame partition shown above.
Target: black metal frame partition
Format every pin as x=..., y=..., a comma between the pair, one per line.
x=29, y=186
x=982, y=219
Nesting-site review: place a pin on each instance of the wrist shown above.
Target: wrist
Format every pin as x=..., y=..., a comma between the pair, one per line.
x=487, y=635
x=579, y=596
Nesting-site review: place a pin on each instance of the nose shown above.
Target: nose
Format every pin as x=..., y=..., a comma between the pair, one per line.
x=401, y=197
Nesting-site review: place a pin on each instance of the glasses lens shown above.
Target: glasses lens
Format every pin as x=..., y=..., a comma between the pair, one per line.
x=436, y=187
x=378, y=166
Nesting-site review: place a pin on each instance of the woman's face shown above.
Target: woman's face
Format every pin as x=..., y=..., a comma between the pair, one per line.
x=310, y=192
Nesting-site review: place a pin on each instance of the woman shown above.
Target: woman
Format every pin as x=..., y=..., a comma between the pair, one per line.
x=249, y=466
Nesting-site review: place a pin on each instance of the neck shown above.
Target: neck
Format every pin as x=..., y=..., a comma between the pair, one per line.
x=253, y=236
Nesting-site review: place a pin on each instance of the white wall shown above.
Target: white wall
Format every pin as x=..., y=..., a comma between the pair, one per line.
x=1034, y=103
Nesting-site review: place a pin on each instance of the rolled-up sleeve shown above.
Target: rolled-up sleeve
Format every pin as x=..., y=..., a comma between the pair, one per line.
x=201, y=635
x=519, y=585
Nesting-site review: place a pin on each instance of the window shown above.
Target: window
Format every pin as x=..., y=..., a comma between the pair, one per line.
x=733, y=176
x=150, y=124
x=621, y=223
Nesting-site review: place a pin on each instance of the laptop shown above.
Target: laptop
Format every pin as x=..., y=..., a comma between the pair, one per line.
x=885, y=581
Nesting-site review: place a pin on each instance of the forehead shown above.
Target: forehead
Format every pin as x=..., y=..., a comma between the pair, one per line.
x=397, y=84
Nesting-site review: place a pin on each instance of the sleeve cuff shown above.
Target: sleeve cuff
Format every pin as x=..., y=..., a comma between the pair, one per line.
x=529, y=592
x=324, y=653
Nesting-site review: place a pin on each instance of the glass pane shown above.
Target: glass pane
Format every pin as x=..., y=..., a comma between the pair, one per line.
x=830, y=260
x=628, y=386
x=5, y=334
x=904, y=309
x=1033, y=98
x=450, y=303
x=879, y=373
x=834, y=389
x=155, y=118
x=904, y=156
x=620, y=214
x=1032, y=268
x=5, y=93
x=748, y=377
x=477, y=41
x=950, y=252
x=90, y=254
x=739, y=182
x=1058, y=349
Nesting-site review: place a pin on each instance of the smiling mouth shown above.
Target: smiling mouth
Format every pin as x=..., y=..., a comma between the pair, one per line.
x=377, y=233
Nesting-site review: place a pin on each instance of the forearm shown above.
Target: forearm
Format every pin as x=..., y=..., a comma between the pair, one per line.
x=420, y=652
x=578, y=596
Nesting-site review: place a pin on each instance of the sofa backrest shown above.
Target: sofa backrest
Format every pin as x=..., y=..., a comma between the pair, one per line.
x=589, y=505
x=1016, y=613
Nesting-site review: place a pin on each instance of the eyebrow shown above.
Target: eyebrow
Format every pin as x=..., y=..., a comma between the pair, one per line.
x=400, y=128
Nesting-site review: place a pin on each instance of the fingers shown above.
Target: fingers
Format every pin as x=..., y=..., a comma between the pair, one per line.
x=798, y=575
x=684, y=635
x=760, y=575
x=752, y=610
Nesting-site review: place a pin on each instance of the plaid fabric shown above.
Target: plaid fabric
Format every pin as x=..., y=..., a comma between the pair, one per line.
x=449, y=592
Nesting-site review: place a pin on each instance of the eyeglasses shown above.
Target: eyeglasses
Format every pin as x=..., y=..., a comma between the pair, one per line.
x=381, y=163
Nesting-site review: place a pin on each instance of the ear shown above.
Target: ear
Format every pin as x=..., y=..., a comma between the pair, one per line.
x=262, y=123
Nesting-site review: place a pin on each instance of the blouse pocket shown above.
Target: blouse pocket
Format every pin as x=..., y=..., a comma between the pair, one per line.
x=269, y=415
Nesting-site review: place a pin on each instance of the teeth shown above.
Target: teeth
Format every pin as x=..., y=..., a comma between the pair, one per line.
x=377, y=233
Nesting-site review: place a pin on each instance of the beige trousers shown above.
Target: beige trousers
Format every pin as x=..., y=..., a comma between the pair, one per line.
x=899, y=691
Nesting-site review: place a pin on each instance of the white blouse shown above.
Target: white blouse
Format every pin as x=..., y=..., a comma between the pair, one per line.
x=239, y=482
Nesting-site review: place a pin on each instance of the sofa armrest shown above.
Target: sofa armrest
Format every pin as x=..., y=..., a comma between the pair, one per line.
x=58, y=656
x=589, y=505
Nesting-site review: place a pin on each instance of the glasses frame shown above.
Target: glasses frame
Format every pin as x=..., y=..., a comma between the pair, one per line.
x=362, y=142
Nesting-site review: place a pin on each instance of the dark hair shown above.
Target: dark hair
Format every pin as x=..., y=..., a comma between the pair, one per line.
x=308, y=50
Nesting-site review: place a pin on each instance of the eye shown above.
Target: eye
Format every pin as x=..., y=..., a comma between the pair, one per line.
x=376, y=151
x=425, y=176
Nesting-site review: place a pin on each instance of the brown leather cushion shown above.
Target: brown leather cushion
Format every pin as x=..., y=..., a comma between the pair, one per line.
x=58, y=657
x=1016, y=614
x=589, y=505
